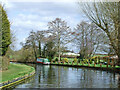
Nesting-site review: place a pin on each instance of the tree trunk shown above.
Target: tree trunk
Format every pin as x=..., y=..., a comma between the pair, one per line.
x=39, y=48
x=119, y=34
x=34, y=51
x=59, y=47
x=59, y=58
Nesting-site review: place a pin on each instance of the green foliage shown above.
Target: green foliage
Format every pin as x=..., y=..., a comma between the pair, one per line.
x=44, y=51
x=66, y=60
x=98, y=58
x=84, y=61
x=87, y=60
x=56, y=59
x=5, y=37
x=50, y=51
x=90, y=61
x=75, y=60
x=23, y=55
x=95, y=61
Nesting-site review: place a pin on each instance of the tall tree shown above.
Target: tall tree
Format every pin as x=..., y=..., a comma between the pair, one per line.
x=106, y=16
x=61, y=32
x=87, y=38
x=5, y=39
x=31, y=42
x=39, y=38
x=50, y=50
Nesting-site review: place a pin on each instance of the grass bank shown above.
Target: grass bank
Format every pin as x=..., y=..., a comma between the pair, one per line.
x=90, y=65
x=14, y=71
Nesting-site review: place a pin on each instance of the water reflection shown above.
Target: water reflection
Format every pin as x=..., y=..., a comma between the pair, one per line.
x=70, y=77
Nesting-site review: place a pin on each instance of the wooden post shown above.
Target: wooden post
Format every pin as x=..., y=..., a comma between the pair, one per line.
x=94, y=64
x=107, y=65
x=113, y=62
x=63, y=61
x=108, y=61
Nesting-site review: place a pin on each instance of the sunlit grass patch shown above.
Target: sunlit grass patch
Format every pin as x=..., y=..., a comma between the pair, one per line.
x=15, y=71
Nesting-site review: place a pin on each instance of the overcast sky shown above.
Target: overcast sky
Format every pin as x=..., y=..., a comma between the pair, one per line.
x=26, y=16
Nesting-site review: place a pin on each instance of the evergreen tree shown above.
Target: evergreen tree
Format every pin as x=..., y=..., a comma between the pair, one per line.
x=5, y=39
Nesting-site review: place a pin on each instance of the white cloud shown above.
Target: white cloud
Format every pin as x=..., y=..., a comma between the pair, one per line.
x=35, y=16
x=6, y=3
x=42, y=0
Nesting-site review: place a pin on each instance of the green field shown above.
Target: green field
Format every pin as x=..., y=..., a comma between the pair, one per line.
x=15, y=71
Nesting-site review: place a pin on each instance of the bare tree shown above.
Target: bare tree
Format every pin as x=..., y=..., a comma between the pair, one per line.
x=86, y=38
x=61, y=32
x=106, y=16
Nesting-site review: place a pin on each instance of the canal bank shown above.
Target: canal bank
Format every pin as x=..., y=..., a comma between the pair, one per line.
x=96, y=67
x=16, y=74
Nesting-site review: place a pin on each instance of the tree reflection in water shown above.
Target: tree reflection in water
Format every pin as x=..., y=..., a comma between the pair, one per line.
x=48, y=76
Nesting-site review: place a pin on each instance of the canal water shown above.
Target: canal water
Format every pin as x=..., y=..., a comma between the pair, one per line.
x=48, y=76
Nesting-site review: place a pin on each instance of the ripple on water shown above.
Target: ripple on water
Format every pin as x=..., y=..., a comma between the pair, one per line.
x=70, y=77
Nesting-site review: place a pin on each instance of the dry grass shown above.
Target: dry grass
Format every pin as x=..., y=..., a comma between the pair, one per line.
x=4, y=63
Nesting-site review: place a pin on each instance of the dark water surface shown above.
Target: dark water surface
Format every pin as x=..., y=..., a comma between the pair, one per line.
x=69, y=77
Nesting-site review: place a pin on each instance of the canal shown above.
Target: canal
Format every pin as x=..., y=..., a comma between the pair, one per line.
x=69, y=77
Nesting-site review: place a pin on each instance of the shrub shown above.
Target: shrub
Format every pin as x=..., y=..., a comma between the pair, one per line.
x=95, y=60
x=98, y=59
x=85, y=61
x=93, y=57
x=90, y=61
x=56, y=59
x=66, y=60
x=75, y=60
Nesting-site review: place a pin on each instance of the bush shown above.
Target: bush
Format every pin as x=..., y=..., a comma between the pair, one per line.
x=61, y=60
x=94, y=58
x=85, y=61
x=56, y=59
x=66, y=60
x=98, y=58
x=95, y=61
x=75, y=60
x=90, y=61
